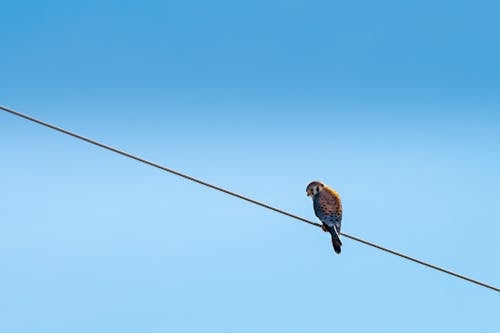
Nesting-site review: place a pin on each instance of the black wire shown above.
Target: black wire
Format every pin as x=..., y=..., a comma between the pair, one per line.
x=239, y=196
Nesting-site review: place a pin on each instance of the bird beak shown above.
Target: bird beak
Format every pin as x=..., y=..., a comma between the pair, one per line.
x=308, y=193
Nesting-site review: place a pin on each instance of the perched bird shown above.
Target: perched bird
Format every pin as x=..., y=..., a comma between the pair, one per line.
x=328, y=209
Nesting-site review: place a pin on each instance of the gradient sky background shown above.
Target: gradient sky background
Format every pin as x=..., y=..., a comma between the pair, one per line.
x=396, y=104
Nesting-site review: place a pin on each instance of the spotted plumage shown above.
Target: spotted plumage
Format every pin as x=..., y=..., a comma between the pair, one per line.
x=328, y=208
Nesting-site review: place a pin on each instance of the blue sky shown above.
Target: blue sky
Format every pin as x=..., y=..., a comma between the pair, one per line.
x=394, y=104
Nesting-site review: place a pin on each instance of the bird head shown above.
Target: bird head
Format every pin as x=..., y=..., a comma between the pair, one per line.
x=314, y=188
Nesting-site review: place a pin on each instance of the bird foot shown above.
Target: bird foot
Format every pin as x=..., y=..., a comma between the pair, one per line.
x=323, y=227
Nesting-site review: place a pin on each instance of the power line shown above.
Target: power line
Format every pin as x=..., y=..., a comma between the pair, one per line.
x=234, y=194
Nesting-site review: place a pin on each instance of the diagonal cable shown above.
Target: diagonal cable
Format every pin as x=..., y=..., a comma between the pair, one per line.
x=242, y=197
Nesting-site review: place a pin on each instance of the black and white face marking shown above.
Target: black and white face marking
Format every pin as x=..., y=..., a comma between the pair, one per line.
x=314, y=188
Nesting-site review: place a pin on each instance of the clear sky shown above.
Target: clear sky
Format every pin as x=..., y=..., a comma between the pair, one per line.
x=396, y=104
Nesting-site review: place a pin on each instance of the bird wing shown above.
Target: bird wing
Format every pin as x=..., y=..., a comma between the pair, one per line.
x=328, y=208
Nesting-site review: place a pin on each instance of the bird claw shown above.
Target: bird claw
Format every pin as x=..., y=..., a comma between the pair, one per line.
x=323, y=227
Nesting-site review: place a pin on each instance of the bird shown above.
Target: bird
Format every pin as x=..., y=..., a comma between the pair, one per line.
x=328, y=208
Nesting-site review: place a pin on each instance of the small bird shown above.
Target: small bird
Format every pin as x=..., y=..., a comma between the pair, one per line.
x=328, y=209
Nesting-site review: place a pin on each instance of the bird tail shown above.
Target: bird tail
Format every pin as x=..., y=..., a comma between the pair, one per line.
x=335, y=240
